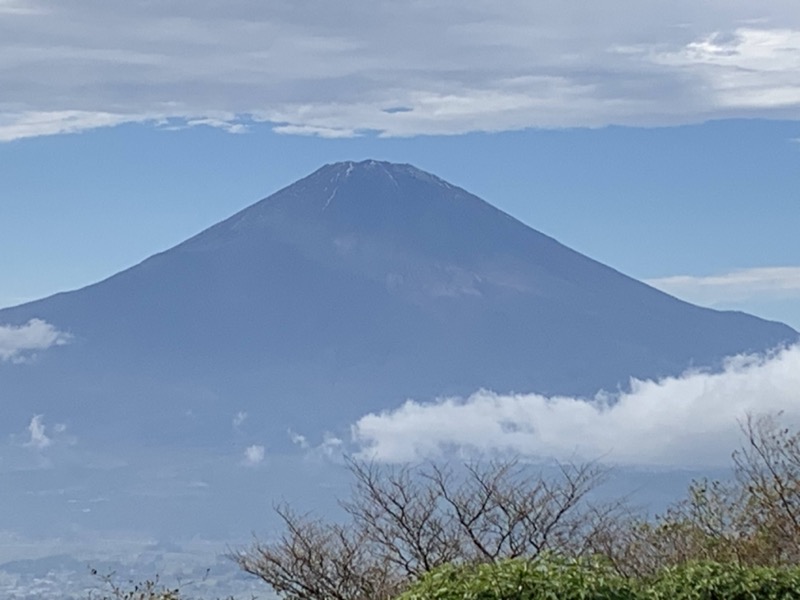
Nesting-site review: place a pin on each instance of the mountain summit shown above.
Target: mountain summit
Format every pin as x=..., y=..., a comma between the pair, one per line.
x=351, y=290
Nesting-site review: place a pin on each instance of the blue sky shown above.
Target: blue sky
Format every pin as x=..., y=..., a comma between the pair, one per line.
x=664, y=143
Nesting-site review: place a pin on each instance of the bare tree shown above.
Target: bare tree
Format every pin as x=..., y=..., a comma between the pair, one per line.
x=316, y=560
x=407, y=520
x=768, y=469
x=400, y=513
x=705, y=526
x=502, y=509
x=751, y=520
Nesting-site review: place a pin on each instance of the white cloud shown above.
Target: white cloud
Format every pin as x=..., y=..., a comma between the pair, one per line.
x=323, y=132
x=38, y=436
x=331, y=446
x=686, y=421
x=298, y=440
x=254, y=455
x=18, y=7
x=35, y=123
x=18, y=342
x=744, y=284
x=747, y=68
x=337, y=69
x=239, y=418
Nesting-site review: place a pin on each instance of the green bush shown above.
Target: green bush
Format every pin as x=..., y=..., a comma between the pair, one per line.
x=716, y=581
x=545, y=578
x=554, y=578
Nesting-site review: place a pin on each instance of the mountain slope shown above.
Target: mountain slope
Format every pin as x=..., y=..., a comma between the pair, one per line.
x=351, y=290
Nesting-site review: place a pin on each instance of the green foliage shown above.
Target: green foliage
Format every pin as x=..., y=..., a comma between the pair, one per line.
x=544, y=578
x=717, y=581
x=555, y=578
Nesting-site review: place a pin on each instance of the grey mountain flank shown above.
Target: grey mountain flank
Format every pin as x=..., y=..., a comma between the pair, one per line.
x=353, y=289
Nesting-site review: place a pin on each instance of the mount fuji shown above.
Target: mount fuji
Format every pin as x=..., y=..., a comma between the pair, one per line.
x=349, y=291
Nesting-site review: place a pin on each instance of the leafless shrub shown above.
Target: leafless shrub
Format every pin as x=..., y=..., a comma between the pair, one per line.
x=407, y=520
x=314, y=559
x=752, y=520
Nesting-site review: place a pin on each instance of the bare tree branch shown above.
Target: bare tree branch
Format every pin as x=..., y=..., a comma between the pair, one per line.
x=407, y=520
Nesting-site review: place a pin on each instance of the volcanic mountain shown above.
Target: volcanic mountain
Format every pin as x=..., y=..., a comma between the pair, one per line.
x=353, y=289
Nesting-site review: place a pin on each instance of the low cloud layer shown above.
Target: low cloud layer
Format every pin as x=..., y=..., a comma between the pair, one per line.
x=688, y=421
x=17, y=343
x=399, y=69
